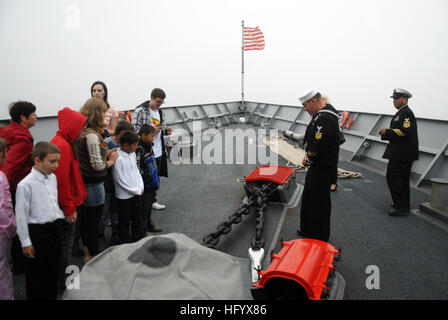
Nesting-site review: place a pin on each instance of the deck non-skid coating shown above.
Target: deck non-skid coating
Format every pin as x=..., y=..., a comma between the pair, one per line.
x=410, y=253
x=208, y=200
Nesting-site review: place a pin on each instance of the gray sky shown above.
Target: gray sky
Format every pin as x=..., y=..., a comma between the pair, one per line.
x=354, y=51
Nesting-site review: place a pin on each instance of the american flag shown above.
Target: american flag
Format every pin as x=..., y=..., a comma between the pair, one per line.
x=253, y=39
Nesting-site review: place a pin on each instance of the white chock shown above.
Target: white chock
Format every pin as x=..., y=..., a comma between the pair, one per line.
x=256, y=256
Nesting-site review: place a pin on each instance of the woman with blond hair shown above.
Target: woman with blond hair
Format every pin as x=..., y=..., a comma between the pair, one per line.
x=94, y=159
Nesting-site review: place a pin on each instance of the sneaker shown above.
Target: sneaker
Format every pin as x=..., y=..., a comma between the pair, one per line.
x=158, y=206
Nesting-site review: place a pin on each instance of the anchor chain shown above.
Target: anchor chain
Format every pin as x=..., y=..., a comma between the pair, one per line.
x=258, y=241
x=212, y=239
x=256, y=198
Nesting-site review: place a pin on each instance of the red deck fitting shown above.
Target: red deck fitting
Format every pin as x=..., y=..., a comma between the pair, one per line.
x=275, y=174
x=306, y=261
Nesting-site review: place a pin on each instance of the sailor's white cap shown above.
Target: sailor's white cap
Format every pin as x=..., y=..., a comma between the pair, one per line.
x=399, y=92
x=307, y=95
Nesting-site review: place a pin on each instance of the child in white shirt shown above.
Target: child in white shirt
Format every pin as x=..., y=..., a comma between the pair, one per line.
x=128, y=189
x=38, y=220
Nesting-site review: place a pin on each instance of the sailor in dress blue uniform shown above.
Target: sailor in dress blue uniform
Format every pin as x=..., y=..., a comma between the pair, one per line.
x=322, y=153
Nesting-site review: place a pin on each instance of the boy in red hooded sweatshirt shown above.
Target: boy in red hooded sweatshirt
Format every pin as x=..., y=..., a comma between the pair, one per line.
x=71, y=190
x=18, y=162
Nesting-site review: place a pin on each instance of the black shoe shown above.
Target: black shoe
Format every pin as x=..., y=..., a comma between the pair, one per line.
x=392, y=205
x=399, y=212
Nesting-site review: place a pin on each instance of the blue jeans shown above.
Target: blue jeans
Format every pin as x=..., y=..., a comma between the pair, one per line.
x=158, y=164
x=110, y=213
x=95, y=195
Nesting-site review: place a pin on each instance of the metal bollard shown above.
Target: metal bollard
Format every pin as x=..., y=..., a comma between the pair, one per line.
x=439, y=193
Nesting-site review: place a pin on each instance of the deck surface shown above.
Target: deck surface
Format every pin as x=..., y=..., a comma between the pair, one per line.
x=410, y=252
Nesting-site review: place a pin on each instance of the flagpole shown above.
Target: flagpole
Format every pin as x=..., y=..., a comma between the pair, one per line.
x=242, y=65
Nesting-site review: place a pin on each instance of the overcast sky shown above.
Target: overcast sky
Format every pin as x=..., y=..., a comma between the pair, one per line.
x=353, y=50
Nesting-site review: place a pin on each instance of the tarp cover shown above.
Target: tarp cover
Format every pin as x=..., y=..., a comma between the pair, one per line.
x=166, y=267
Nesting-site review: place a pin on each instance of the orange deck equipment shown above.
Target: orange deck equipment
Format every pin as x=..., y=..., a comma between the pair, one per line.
x=307, y=262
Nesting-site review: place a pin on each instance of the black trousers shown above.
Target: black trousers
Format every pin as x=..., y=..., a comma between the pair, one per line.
x=334, y=179
x=66, y=234
x=316, y=203
x=77, y=230
x=89, y=221
x=129, y=218
x=18, y=260
x=147, y=201
x=41, y=272
x=397, y=177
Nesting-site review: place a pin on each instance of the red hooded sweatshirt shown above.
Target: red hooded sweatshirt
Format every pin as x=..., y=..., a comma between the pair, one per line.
x=18, y=161
x=71, y=190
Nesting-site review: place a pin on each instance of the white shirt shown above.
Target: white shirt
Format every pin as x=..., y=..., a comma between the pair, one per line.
x=157, y=147
x=127, y=178
x=36, y=203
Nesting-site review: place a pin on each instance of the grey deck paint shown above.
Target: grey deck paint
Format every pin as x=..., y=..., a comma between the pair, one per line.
x=410, y=251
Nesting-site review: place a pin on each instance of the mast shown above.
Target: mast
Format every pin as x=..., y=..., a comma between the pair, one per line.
x=242, y=65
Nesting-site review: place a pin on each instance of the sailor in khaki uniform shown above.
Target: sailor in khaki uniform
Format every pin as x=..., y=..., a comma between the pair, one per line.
x=401, y=151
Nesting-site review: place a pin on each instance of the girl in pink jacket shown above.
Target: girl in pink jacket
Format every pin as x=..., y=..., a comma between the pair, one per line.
x=7, y=230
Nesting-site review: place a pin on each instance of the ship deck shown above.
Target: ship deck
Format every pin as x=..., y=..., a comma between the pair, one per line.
x=410, y=252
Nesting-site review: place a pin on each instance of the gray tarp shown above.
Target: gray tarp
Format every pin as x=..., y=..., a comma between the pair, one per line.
x=167, y=267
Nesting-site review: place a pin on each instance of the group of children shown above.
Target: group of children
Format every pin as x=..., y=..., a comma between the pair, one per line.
x=133, y=180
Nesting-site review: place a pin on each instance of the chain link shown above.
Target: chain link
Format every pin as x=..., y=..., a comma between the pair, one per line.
x=257, y=198
x=212, y=239
x=258, y=241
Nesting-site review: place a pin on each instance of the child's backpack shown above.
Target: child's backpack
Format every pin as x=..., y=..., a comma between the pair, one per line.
x=153, y=172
